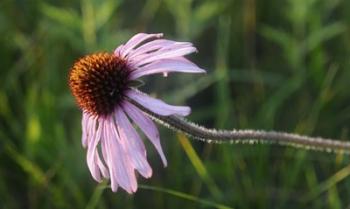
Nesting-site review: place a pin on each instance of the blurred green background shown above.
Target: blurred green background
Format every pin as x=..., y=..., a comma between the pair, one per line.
x=272, y=64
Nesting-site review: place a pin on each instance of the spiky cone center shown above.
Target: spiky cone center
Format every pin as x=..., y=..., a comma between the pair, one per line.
x=98, y=82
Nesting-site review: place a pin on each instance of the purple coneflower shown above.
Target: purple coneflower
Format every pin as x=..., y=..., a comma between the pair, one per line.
x=102, y=86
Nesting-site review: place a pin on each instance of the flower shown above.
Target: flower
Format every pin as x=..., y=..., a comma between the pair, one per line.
x=102, y=85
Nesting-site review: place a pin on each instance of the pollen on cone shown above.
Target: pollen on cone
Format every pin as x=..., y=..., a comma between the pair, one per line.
x=98, y=81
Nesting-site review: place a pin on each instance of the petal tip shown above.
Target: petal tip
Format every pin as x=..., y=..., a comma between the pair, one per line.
x=165, y=163
x=114, y=188
x=133, y=189
x=201, y=70
x=149, y=174
x=186, y=111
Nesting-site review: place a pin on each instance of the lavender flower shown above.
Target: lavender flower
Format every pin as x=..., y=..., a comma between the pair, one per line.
x=102, y=86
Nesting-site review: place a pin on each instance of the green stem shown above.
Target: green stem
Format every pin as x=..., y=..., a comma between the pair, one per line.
x=246, y=136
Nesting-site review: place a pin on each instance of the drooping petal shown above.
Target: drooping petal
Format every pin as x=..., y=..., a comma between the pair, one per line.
x=94, y=162
x=107, y=135
x=133, y=144
x=156, y=105
x=178, y=64
x=122, y=172
x=91, y=162
x=104, y=148
x=147, y=126
x=84, y=124
x=89, y=128
x=100, y=163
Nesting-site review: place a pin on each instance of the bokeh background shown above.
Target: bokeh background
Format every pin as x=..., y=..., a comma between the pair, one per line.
x=272, y=64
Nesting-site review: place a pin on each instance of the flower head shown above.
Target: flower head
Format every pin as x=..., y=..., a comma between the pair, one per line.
x=102, y=86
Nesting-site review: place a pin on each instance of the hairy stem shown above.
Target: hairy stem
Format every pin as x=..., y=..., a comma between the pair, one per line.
x=246, y=136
